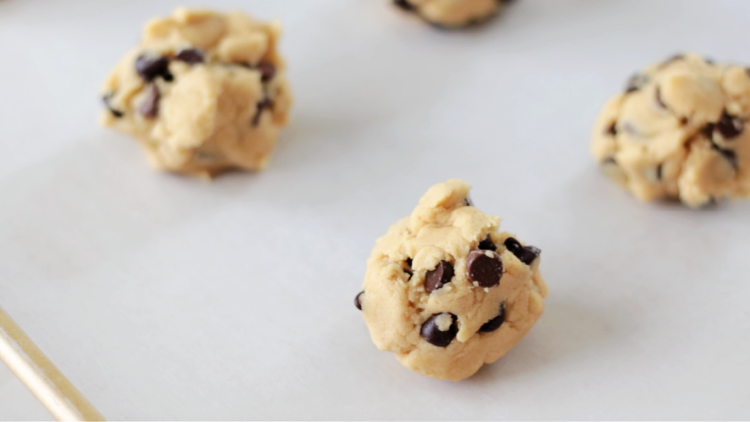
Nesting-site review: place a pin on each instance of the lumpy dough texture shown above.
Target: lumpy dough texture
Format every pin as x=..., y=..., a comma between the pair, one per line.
x=446, y=291
x=678, y=131
x=203, y=92
x=454, y=13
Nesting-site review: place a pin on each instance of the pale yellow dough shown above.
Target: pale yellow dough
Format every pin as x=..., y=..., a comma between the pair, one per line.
x=214, y=115
x=455, y=13
x=681, y=132
x=395, y=304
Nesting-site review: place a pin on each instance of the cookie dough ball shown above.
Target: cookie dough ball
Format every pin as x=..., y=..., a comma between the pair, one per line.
x=446, y=291
x=453, y=13
x=202, y=93
x=679, y=131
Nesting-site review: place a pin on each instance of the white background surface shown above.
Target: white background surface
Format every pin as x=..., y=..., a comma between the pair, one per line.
x=164, y=297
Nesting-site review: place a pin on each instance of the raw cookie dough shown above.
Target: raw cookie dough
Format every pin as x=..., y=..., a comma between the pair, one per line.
x=446, y=291
x=202, y=93
x=678, y=131
x=453, y=13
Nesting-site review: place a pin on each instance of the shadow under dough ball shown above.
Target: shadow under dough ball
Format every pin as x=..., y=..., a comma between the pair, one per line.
x=453, y=14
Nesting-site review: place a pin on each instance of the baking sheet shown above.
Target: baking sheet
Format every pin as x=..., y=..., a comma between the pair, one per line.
x=17, y=402
x=163, y=297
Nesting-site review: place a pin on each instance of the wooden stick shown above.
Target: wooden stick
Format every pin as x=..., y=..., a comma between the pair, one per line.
x=41, y=377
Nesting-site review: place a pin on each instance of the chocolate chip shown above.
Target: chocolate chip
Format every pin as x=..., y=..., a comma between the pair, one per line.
x=487, y=244
x=708, y=131
x=431, y=332
x=439, y=277
x=659, y=170
x=683, y=121
x=358, y=299
x=494, y=323
x=612, y=129
x=659, y=100
x=728, y=154
x=150, y=66
x=191, y=56
x=267, y=71
x=467, y=202
x=635, y=83
x=408, y=269
x=150, y=106
x=107, y=102
x=729, y=126
x=484, y=270
x=404, y=4
x=527, y=254
x=265, y=103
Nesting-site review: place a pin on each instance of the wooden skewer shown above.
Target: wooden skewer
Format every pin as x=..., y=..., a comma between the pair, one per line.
x=41, y=377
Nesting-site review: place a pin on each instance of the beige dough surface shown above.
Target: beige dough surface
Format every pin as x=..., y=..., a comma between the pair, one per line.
x=678, y=132
x=396, y=304
x=454, y=13
x=203, y=92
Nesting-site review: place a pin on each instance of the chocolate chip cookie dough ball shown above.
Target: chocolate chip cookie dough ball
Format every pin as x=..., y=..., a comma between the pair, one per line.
x=679, y=131
x=202, y=93
x=446, y=291
x=453, y=13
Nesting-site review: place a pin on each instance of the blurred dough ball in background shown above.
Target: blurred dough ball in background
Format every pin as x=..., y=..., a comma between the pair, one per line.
x=204, y=92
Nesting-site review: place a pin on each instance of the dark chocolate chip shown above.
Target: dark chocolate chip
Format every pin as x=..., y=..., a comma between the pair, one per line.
x=265, y=103
x=729, y=126
x=150, y=106
x=440, y=276
x=494, y=323
x=409, y=262
x=358, y=299
x=487, y=244
x=484, y=270
x=107, y=102
x=432, y=334
x=527, y=254
x=728, y=154
x=634, y=83
x=167, y=76
x=683, y=121
x=612, y=129
x=659, y=170
x=659, y=100
x=191, y=56
x=708, y=131
x=149, y=66
x=404, y=4
x=467, y=202
x=267, y=71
